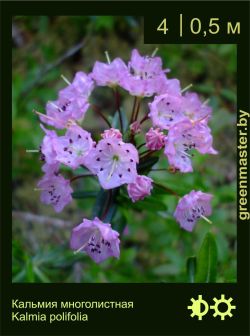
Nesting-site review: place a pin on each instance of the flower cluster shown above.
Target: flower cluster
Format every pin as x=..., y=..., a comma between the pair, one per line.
x=179, y=128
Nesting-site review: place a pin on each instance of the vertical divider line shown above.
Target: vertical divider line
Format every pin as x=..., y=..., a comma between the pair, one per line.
x=181, y=20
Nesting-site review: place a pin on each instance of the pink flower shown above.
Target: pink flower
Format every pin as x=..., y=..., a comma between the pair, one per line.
x=140, y=188
x=111, y=133
x=170, y=86
x=71, y=104
x=155, y=139
x=145, y=66
x=168, y=109
x=72, y=148
x=109, y=74
x=145, y=75
x=135, y=127
x=165, y=110
x=47, y=147
x=56, y=191
x=194, y=109
x=191, y=207
x=97, y=239
x=182, y=138
x=114, y=162
x=82, y=86
x=51, y=168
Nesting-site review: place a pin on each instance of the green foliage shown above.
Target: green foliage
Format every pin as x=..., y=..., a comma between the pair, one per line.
x=153, y=247
x=207, y=260
x=191, y=269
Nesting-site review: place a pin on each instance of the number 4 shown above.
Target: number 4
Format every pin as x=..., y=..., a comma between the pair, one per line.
x=163, y=26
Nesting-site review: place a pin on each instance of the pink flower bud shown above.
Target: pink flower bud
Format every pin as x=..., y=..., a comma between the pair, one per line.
x=154, y=139
x=111, y=133
x=141, y=188
x=135, y=127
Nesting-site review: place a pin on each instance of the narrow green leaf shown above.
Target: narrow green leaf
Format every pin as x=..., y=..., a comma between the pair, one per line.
x=116, y=120
x=100, y=203
x=147, y=164
x=20, y=277
x=148, y=204
x=119, y=222
x=157, y=190
x=41, y=276
x=191, y=269
x=229, y=95
x=29, y=270
x=207, y=260
x=111, y=211
x=105, y=204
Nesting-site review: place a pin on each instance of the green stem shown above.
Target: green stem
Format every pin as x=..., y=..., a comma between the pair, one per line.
x=99, y=112
x=159, y=169
x=117, y=106
x=133, y=110
x=149, y=153
x=107, y=205
x=141, y=145
x=80, y=176
x=145, y=152
x=144, y=119
x=137, y=109
x=166, y=188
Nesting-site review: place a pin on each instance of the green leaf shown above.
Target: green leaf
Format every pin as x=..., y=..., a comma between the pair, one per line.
x=29, y=270
x=119, y=222
x=84, y=194
x=158, y=190
x=105, y=198
x=111, y=211
x=148, y=204
x=145, y=165
x=100, y=203
x=207, y=260
x=229, y=95
x=41, y=276
x=116, y=120
x=191, y=269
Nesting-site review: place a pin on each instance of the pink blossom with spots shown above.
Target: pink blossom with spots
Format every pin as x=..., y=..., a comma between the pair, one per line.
x=47, y=149
x=155, y=139
x=194, y=109
x=55, y=190
x=114, y=162
x=170, y=86
x=72, y=148
x=140, y=188
x=51, y=168
x=97, y=239
x=166, y=110
x=145, y=75
x=184, y=137
x=71, y=104
x=109, y=74
x=191, y=207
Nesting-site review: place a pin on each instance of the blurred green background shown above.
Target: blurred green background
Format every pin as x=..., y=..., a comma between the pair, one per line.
x=154, y=249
